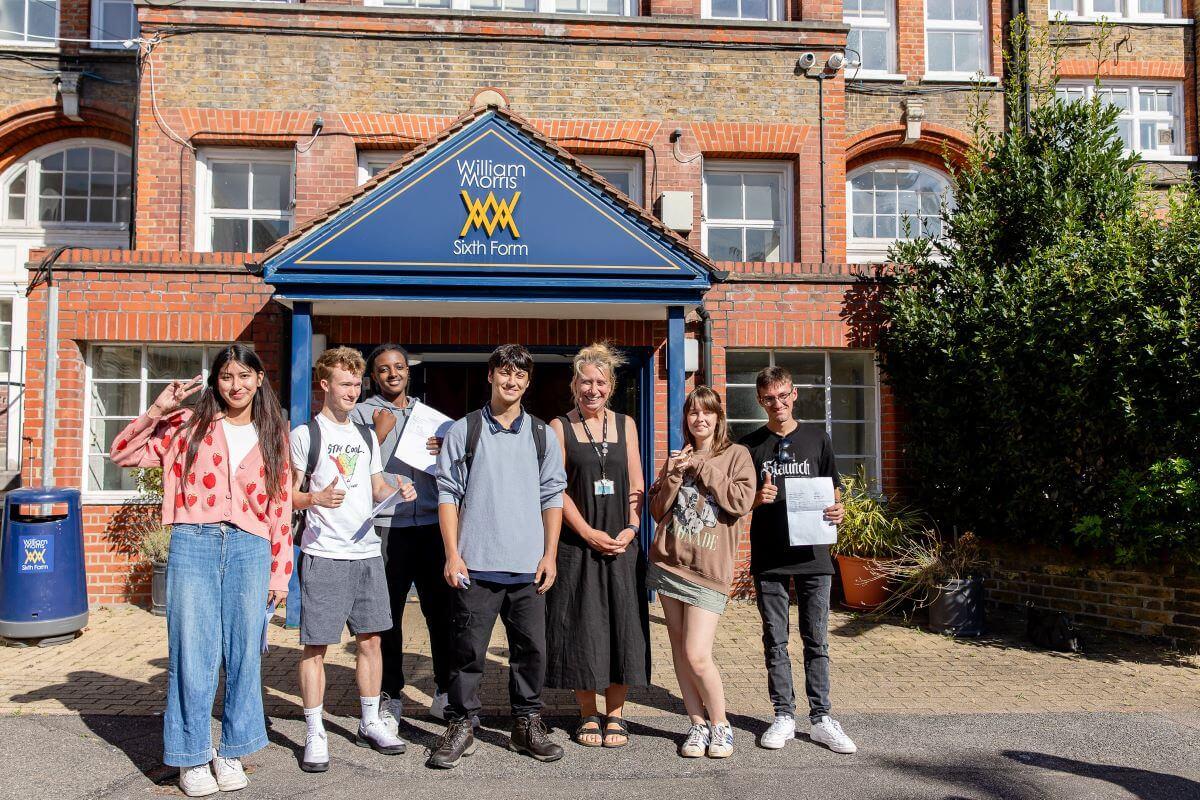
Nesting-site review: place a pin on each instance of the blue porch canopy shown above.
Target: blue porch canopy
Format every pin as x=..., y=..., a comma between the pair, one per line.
x=489, y=219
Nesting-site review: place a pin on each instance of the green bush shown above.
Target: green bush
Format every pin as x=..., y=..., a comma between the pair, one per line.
x=1046, y=351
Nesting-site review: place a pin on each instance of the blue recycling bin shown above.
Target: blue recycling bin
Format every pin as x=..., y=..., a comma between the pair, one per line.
x=43, y=588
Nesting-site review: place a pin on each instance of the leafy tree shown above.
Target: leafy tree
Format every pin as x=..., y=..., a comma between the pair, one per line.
x=1045, y=348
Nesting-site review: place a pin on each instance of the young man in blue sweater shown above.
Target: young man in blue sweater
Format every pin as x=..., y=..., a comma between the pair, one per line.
x=500, y=484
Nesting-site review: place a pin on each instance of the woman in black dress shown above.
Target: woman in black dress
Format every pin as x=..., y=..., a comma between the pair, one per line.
x=597, y=617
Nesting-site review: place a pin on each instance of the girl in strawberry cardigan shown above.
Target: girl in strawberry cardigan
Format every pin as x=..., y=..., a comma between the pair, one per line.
x=226, y=496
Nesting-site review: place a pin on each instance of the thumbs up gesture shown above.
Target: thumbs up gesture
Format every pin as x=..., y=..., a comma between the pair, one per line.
x=329, y=497
x=768, y=492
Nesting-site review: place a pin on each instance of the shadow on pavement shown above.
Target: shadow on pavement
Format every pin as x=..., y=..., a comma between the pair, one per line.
x=1141, y=783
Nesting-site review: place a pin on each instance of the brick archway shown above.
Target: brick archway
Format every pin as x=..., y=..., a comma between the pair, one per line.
x=937, y=146
x=26, y=126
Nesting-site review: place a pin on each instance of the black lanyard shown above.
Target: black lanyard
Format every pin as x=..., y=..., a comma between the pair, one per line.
x=602, y=451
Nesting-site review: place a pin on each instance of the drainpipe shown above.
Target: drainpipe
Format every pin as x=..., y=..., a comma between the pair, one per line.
x=705, y=344
x=50, y=380
x=821, y=144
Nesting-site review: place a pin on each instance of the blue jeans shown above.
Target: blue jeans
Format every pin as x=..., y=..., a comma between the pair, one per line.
x=217, y=577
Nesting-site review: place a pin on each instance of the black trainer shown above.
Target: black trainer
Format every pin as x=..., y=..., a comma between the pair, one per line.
x=531, y=737
x=456, y=742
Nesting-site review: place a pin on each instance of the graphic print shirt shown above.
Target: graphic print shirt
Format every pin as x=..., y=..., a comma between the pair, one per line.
x=345, y=532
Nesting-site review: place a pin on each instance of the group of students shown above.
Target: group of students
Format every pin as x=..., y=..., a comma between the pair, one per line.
x=482, y=537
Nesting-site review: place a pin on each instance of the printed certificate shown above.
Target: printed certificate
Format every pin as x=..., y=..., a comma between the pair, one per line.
x=807, y=499
x=422, y=423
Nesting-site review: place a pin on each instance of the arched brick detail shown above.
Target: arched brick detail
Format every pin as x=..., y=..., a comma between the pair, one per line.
x=27, y=126
x=937, y=144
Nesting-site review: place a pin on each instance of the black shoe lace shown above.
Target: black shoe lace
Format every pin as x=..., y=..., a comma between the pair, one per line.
x=452, y=732
x=538, y=732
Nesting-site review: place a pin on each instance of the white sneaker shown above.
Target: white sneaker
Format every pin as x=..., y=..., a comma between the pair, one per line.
x=390, y=711
x=782, y=731
x=230, y=774
x=721, y=745
x=828, y=731
x=197, y=781
x=377, y=737
x=316, y=753
x=441, y=701
x=696, y=743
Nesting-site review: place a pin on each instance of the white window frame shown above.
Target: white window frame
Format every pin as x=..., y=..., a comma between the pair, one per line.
x=104, y=39
x=633, y=166
x=863, y=250
x=983, y=26
x=629, y=8
x=369, y=159
x=1130, y=10
x=107, y=496
x=204, y=210
x=875, y=460
x=774, y=12
x=23, y=40
x=32, y=165
x=873, y=23
x=1136, y=115
x=783, y=168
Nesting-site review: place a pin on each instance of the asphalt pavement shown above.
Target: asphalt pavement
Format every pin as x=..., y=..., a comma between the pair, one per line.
x=1089, y=756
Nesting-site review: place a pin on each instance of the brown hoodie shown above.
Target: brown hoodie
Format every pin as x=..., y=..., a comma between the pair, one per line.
x=697, y=516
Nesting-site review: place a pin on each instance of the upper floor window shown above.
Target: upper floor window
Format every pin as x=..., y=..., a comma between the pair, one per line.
x=1116, y=9
x=31, y=22
x=956, y=37
x=742, y=9
x=244, y=199
x=871, y=42
x=373, y=162
x=84, y=183
x=612, y=8
x=836, y=392
x=113, y=22
x=747, y=211
x=1151, y=116
x=624, y=172
x=893, y=200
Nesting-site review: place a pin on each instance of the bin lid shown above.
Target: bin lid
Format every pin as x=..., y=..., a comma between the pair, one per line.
x=41, y=494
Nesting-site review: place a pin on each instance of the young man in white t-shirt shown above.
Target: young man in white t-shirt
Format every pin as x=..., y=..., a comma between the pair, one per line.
x=342, y=581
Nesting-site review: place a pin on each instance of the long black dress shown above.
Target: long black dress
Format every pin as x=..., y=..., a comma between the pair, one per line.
x=597, y=617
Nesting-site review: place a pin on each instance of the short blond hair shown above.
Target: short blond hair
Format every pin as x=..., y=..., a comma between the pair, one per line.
x=347, y=358
x=604, y=357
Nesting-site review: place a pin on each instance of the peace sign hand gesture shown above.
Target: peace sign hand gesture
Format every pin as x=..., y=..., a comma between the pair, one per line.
x=173, y=396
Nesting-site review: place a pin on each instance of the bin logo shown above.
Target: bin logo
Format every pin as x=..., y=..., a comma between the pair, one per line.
x=39, y=554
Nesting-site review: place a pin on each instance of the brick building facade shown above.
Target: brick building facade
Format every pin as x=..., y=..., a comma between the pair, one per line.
x=229, y=124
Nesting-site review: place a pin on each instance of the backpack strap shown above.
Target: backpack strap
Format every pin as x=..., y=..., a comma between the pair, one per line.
x=314, y=453
x=539, y=439
x=475, y=433
x=365, y=432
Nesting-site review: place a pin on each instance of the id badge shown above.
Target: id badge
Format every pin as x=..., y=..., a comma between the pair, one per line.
x=603, y=487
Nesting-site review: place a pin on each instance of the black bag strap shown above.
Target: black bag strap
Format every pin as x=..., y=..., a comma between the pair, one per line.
x=314, y=448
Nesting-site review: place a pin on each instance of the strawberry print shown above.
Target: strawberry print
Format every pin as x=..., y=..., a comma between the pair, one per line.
x=121, y=445
x=250, y=487
x=177, y=468
x=262, y=471
x=287, y=570
x=245, y=505
x=192, y=478
x=210, y=480
x=278, y=511
x=274, y=566
x=212, y=500
x=217, y=459
x=208, y=440
x=191, y=500
x=179, y=501
x=275, y=548
x=261, y=499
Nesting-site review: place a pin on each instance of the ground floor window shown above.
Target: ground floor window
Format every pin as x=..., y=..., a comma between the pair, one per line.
x=122, y=381
x=837, y=391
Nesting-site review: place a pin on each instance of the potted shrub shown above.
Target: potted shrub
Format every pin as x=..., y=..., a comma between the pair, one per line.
x=871, y=531
x=946, y=577
x=155, y=546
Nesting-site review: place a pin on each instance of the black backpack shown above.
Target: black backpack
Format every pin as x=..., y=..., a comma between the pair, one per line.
x=314, y=455
x=475, y=432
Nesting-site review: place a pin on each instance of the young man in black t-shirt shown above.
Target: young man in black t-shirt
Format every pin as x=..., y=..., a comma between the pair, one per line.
x=782, y=449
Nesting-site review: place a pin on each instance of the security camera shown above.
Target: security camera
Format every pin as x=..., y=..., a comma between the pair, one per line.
x=835, y=62
x=807, y=61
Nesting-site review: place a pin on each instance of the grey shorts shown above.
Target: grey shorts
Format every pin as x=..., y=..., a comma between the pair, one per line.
x=336, y=593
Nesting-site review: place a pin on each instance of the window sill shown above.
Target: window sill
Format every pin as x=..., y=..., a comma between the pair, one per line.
x=960, y=77
x=1163, y=21
x=16, y=44
x=889, y=77
x=1167, y=158
x=94, y=498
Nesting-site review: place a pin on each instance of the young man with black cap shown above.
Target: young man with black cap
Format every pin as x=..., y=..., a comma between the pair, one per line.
x=784, y=449
x=500, y=481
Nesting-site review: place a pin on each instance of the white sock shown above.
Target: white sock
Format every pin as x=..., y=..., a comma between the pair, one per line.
x=312, y=718
x=370, y=709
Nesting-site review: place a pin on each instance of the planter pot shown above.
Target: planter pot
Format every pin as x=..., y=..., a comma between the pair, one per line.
x=158, y=590
x=958, y=608
x=862, y=589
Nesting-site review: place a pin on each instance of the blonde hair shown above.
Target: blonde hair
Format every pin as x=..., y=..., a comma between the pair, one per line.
x=604, y=357
x=347, y=358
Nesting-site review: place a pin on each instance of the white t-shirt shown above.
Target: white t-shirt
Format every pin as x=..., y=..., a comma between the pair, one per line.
x=345, y=532
x=241, y=440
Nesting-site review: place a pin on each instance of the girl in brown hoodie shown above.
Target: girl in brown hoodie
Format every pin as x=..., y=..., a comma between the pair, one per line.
x=701, y=493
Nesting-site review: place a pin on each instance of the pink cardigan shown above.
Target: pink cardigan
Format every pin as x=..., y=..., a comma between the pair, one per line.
x=207, y=496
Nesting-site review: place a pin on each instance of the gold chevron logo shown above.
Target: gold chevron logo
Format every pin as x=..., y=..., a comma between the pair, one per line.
x=489, y=214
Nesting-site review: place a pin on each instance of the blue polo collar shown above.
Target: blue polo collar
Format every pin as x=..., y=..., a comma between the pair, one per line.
x=494, y=424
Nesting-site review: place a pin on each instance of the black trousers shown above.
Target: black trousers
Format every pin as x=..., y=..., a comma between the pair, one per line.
x=523, y=612
x=415, y=555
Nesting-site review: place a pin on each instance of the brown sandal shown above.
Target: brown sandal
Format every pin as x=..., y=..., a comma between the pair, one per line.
x=583, y=730
x=620, y=728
